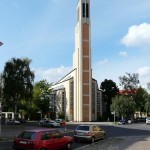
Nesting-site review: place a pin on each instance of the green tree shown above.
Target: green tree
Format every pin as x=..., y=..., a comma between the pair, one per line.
x=110, y=90
x=18, y=81
x=139, y=99
x=147, y=103
x=129, y=81
x=41, y=96
x=1, y=86
x=123, y=106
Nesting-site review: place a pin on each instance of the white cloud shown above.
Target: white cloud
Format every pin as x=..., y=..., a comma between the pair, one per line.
x=51, y=74
x=123, y=54
x=137, y=36
x=144, y=71
x=103, y=62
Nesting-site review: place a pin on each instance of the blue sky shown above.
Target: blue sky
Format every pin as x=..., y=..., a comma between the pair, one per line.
x=43, y=31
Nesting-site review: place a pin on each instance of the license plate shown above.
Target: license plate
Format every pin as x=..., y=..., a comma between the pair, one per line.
x=23, y=142
x=80, y=133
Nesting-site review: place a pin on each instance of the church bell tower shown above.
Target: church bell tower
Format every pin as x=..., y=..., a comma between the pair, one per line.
x=82, y=63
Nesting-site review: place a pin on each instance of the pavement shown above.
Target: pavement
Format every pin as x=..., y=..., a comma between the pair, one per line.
x=114, y=143
x=120, y=143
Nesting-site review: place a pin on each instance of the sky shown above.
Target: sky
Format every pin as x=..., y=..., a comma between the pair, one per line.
x=43, y=31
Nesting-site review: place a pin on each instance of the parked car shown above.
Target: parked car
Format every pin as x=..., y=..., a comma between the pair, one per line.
x=148, y=120
x=21, y=120
x=54, y=124
x=89, y=133
x=61, y=121
x=42, y=139
x=50, y=123
x=12, y=122
x=123, y=121
x=43, y=121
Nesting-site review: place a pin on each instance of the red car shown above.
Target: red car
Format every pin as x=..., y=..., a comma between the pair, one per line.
x=42, y=139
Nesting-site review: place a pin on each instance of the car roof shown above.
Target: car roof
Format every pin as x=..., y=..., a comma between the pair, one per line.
x=88, y=125
x=39, y=130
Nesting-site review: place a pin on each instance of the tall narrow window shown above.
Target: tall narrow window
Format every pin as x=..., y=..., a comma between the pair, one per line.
x=78, y=15
x=87, y=10
x=83, y=10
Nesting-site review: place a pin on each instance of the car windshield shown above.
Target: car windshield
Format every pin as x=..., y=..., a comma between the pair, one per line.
x=27, y=135
x=85, y=128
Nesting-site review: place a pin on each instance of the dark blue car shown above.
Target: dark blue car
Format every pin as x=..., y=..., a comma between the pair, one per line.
x=123, y=121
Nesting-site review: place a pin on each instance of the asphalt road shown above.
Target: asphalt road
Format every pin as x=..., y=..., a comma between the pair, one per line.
x=138, y=129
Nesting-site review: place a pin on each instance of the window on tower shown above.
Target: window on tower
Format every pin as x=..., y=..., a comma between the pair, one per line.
x=83, y=9
x=78, y=15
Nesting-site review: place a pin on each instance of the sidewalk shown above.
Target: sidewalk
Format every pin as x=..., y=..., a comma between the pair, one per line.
x=121, y=143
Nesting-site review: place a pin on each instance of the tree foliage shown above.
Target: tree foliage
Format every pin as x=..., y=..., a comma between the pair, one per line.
x=1, y=86
x=147, y=103
x=123, y=106
x=139, y=99
x=129, y=81
x=41, y=95
x=18, y=81
x=148, y=85
x=110, y=90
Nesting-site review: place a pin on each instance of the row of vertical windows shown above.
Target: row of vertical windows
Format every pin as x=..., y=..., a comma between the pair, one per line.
x=93, y=95
x=63, y=101
x=98, y=102
x=71, y=93
x=85, y=10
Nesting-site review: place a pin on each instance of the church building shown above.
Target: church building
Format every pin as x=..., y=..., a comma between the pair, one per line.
x=77, y=94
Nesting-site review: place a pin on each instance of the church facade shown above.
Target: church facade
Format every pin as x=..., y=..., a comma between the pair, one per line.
x=77, y=95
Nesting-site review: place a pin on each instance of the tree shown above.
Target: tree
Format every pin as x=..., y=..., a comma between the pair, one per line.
x=123, y=106
x=147, y=103
x=110, y=90
x=139, y=99
x=18, y=81
x=148, y=85
x=1, y=86
x=41, y=96
x=130, y=81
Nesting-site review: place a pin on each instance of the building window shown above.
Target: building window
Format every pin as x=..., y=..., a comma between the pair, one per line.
x=78, y=15
x=63, y=101
x=71, y=93
x=93, y=96
x=85, y=10
x=98, y=102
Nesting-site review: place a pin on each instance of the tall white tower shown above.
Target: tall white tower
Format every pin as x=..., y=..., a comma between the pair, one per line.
x=82, y=63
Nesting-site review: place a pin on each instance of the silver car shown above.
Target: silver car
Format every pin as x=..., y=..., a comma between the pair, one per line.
x=148, y=120
x=89, y=133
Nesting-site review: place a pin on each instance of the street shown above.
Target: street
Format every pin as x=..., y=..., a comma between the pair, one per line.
x=112, y=131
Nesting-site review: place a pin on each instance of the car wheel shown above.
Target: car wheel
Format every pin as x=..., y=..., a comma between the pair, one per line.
x=76, y=140
x=69, y=146
x=93, y=139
